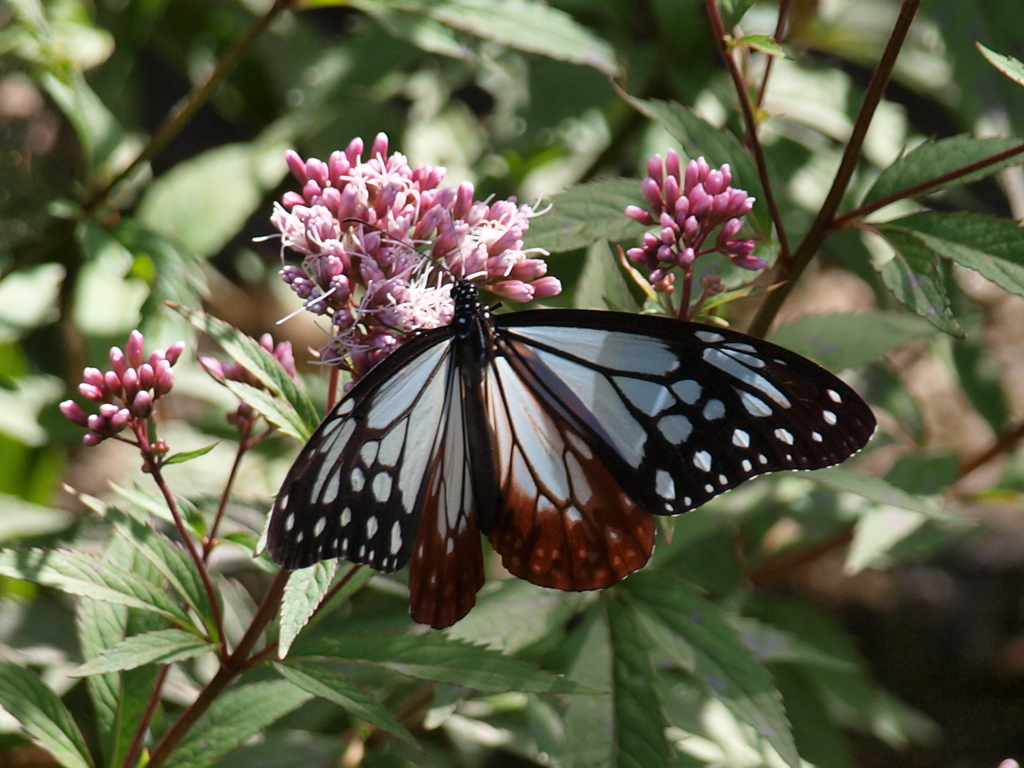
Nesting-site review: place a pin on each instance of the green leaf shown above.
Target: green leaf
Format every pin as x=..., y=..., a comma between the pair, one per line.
x=340, y=691
x=182, y=457
x=722, y=662
x=915, y=280
x=932, y=159
x=1008, y=65
x=640, y=722
x=601, y=284
x=878, y=530
x=980, y=377
x=303, y=594
x=523, y=25
x=436, y=657
x=206, y=200
x=849, y=340
x=877, y=490
x=762, y=43
x=233, y=718
x=772, y=645
x=43, y=716
x=21, y=518
x=733, y=11
x=587, y=213
x=163, y=646
x=170, y=559
x=715, y=144
x=994, y=248
x=589, y=720
x=90, y=576
x=296, y=415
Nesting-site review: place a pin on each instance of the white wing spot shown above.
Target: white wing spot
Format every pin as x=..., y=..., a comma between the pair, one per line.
x=613, y=535
x=282, y=501
x=675, y=428
x=396, y=538
x=709, y=488
x=579, y=446
x=346, y=516
x=334, y=546
x=357, y=479
x=727, y=363
x=747, y=466
x=371, y=526
x=300, y=537
x=344, y=407
x=647, y=396
x=755, y=406
x=687, y=390
x=368, y=453
x=762, y=458
x=319, y=527
x=665, y=485
x=382, y=486
x=362, y=551
x=344, y=547
x=573, y=515
x=578, y=479
x=332, y=489
x=816, y=437
x=449, y=545
x=740, y=438
x=723, y=480
x=702, y=460
x=830, y=418
x=784, y=435
x=834, y=396
x=710, y=337
x=714, y=409
x=687, y=501
x=289, y=522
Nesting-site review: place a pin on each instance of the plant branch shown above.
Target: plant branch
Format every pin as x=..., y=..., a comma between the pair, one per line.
x=1004, y=443
x=780, y=31
x=922, y=188
x=131, y=757
x=185, y=110
x=750, y=119
x=807, y=249
x=230, y=668
x=243, y=445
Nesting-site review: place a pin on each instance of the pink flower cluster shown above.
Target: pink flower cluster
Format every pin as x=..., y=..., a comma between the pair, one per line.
x=382, y=242
x=244, y=415
x=126, y=393
x=689, y=208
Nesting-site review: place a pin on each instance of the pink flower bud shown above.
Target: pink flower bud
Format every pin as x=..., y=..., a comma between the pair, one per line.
x=380, y=146
x=213, y=367
x=120, y=419
x=89, y=392
x=652, y=193
x=96, y=423
x=295, y=165
x=108, y=409
x=164, y=379
x=656, y=169
x=514, y=290
x=142, y=406
x=316, y=170
x=91, y=439
x=672, y=164
x=117, y=361
x=73, y=412
x=639, y=214
x=291, y=199
x=130, y=381
x=133, y=349
x=113, y=383
x=94, y=377
x=546, y=287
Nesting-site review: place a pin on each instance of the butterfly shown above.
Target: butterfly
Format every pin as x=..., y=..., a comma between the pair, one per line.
x=556, y=433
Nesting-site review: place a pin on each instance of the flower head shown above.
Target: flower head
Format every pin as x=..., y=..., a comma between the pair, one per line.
x=688, y=207
x=126, y=392
x=381, y=243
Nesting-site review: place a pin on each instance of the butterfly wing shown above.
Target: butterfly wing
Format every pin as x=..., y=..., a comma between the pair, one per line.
x=678, y=413
x=356, y=489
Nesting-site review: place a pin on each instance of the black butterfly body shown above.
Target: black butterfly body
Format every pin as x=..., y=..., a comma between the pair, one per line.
x=557, y=434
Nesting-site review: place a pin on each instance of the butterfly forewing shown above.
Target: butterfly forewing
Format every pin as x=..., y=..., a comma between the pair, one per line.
x=353, y=492
x=681, y=412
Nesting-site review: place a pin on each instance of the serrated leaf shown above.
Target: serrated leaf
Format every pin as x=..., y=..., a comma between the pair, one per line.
x=589, y=735
x=849, y=340
x=340, y=691
x=183, y=456
x=937, y=158
x=520, y=24
x=722, y=662
x=90, y=576
x=772, y=645
x=639, y=719
x=587, y=213
x=164, y=646
x=877, y=531
x=914, y=279
x=303, y=594
x=275, y=411
x=233, y=718
x=297, y=413
x=718, y=146
x=170, y=559
x=43, y=716
x=1008, y=65
x=994, y=248
x=22, y=518
x=436, y=657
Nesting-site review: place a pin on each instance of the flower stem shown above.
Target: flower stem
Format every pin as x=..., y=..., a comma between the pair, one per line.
x=822, y=223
